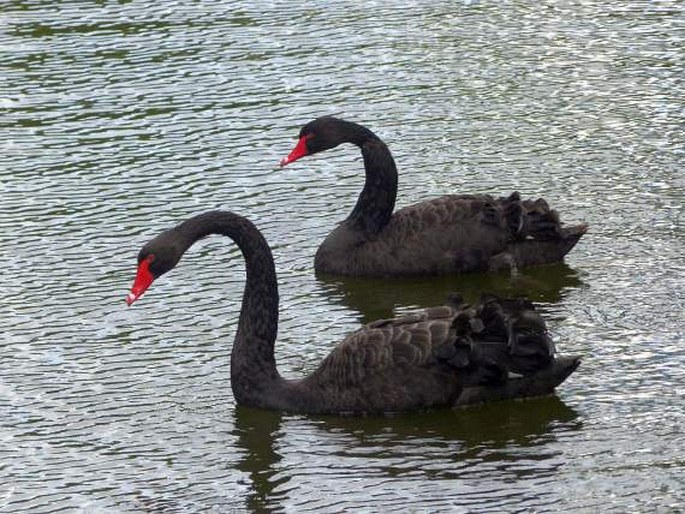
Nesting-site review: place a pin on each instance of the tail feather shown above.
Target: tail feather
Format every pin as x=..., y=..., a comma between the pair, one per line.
x=530, y=218
x=541, y=383
x=504, y=350
x=543, y=251
x=537, y=234
x=540, y=222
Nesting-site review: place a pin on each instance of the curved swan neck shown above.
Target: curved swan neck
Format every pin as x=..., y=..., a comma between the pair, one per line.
x=253, y=366
x=376, y=202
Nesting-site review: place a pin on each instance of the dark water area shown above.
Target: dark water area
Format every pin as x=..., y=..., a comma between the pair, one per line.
x=120, y=119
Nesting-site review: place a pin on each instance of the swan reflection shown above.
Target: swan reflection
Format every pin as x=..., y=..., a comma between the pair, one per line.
x=514, y=436
x=376, y=298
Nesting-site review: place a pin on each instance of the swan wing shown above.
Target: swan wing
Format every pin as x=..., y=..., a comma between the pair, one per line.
x=513, y=217
x=446, y=355
x=389, y=346
x=479, y=343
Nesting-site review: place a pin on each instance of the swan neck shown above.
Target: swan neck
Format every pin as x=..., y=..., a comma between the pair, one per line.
x=376, y=202
x=253, y=366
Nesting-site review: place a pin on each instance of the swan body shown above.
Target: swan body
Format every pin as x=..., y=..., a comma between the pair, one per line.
x=455, y=354
x=449, y=234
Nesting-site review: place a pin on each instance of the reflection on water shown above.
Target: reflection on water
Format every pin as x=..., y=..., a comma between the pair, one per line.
x=513, y=435
x=122, y=118
x=501, y=425
x=258, y=432
x=379, y=298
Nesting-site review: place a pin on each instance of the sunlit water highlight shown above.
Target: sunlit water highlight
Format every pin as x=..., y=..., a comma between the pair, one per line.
x=120, y=119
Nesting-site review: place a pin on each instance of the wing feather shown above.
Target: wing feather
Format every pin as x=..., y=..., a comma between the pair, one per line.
x=428, y=358
x=389, y=345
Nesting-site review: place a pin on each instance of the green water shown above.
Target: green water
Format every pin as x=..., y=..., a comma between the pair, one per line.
x=122, y=118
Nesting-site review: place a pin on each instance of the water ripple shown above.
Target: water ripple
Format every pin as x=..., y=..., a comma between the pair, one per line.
x=123, y=118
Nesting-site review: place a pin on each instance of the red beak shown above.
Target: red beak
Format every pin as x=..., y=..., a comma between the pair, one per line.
x=300, y=150
x=143, y=280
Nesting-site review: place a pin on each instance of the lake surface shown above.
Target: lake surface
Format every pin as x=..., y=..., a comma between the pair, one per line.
x=122, y=118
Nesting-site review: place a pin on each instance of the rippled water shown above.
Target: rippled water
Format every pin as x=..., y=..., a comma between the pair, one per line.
x=122, y=118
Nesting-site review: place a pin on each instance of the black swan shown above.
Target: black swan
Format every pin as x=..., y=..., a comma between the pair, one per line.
x=449, y=234
x=457, y=354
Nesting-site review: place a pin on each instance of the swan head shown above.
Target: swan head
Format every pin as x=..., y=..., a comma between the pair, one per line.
x=325, y=133
x=154, y=259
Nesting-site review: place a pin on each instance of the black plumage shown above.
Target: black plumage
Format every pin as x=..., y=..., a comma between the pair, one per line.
x=449, y=234
x=451, y=355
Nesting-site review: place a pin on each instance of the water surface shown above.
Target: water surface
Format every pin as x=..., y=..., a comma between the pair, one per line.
x=123, y=118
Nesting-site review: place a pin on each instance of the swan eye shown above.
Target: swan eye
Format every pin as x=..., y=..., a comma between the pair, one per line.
x=308, y=137
x=147, y=258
